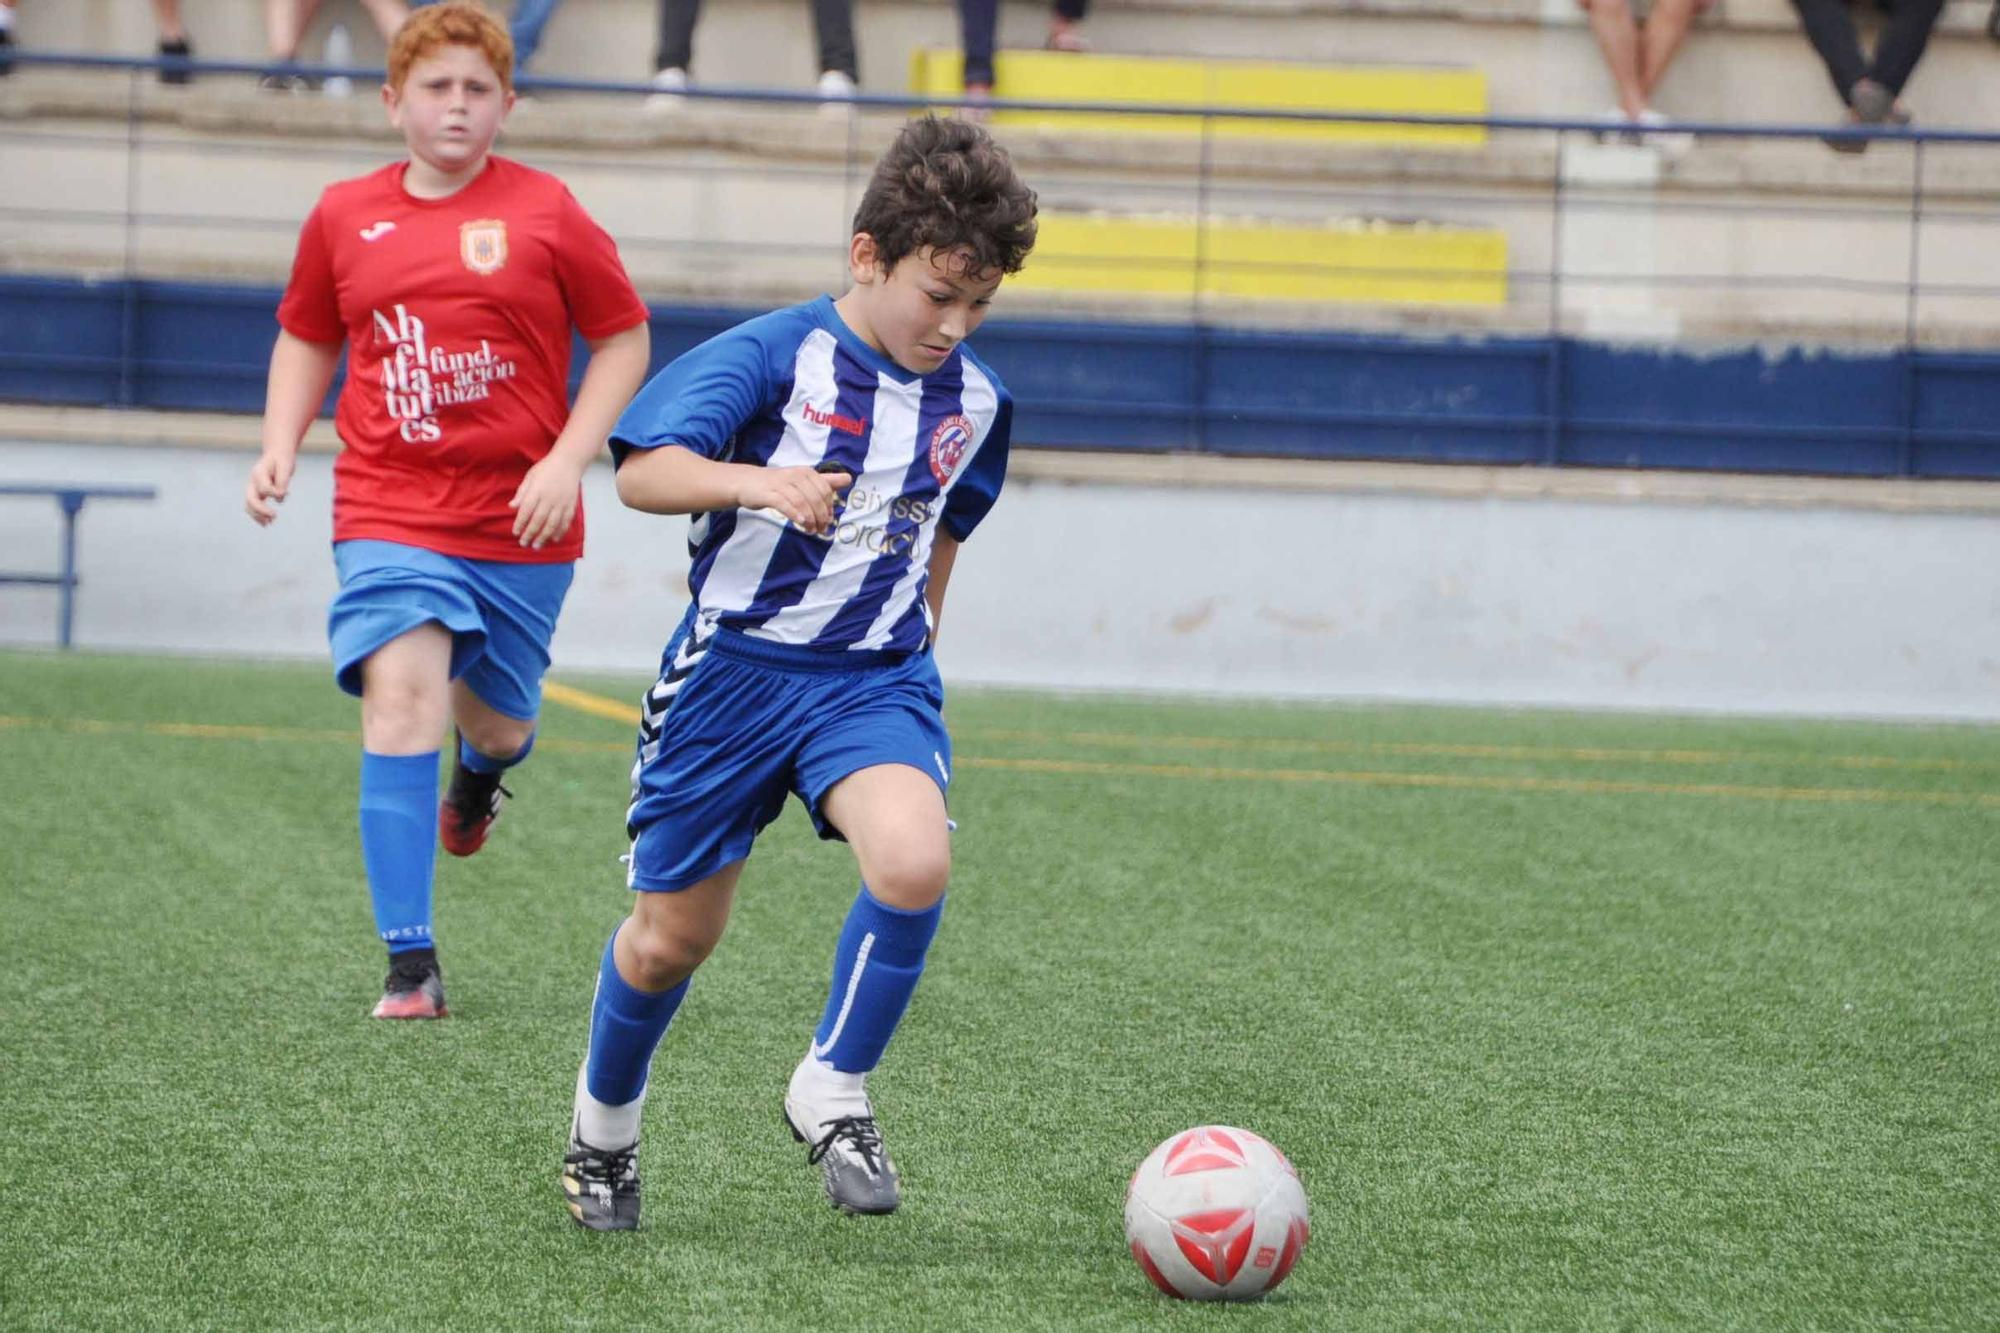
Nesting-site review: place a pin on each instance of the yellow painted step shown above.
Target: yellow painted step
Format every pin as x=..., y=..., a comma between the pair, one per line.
x=1057, y=76
x=1401, y=263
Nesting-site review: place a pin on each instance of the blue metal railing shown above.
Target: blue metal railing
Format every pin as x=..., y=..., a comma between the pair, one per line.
x=911, y=102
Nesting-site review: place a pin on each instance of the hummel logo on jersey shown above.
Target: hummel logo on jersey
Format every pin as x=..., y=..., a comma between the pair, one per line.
x=848, y=425
x=377, y=231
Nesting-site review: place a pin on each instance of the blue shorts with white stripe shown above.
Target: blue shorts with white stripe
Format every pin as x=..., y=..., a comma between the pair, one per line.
x=736, y=722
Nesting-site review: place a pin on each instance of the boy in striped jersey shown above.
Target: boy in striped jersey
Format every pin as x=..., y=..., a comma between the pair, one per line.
x=833, y=455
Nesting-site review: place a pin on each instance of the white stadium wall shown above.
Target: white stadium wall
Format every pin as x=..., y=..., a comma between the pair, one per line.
x=1795, y=606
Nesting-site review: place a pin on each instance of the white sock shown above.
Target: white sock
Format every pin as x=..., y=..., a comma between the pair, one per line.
x=829, y=1093
x=6, y=19
x=601, y=1125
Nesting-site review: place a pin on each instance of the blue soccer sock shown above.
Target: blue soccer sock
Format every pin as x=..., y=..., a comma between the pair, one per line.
x=876, y=966
x=626, y=1025
x=480, y=762
x=399, y=799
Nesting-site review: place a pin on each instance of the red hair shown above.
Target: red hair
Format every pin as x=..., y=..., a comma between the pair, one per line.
x=454, y=23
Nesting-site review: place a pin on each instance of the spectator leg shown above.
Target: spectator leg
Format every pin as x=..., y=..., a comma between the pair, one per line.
x=1660, y=40
x=978, y=25
x=1903, y=41
x=833, y=28
x=1617, y=34
x=530, y=17
x=285, y=24
x=167, y=17
x=388, y=15
x=1065, y=24
x=1830, y=28
x=677, y=20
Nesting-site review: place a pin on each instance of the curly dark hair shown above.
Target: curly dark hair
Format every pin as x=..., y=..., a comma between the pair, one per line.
x=945, y=185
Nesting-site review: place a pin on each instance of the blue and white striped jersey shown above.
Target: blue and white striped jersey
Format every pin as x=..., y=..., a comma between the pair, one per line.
x=798, y=388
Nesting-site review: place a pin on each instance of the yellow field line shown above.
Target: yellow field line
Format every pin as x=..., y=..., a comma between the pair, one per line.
x=1359, y=777
x=594, y=704
x=599, y=706
x=1441, y=749
x=220, y=731
x=1585, y=786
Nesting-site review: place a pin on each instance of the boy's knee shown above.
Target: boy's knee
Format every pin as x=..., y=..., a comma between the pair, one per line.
x=912, y=879
x=665, y=955
x=497, y=736
x=401, y=710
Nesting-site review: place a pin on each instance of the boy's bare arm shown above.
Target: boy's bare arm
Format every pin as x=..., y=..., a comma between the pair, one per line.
x=300, y=374
x=617, y=368
x=673, y=479
x=545, y=502
x=944, y=551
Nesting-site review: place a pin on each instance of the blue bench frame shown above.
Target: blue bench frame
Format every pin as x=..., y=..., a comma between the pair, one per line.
x=70, y=499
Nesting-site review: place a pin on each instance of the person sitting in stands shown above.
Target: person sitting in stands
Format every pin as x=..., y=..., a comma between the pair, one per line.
x=1637, y=54
x=833, y=30
x=1870, y=86
x=979, y=22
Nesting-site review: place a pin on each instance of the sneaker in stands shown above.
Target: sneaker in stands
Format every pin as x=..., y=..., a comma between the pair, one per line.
x=836, y=93
x=175, y=57
x=669, y=90
x=1669, y=143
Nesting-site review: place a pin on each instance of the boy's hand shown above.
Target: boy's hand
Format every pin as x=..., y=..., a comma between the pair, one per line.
x=545, y=503
x=270, y=481
x=802, y=495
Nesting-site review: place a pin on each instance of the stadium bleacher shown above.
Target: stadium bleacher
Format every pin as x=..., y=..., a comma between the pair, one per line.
x=1747, y=60
x=1512, y=234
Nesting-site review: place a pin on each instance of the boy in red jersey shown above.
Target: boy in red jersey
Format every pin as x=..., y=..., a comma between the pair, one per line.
x=454, y=277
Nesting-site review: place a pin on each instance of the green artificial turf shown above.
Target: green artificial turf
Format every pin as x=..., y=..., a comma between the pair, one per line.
x=1567, y=1022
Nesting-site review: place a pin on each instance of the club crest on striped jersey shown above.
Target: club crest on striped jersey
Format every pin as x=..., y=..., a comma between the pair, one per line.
x=949, y=441
x=482, y=244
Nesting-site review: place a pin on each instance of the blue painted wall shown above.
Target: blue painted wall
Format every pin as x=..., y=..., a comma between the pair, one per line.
x=1158, y=387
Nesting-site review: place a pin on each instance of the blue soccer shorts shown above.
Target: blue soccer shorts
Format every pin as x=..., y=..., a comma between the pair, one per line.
x=735, y=722
x=501, y=616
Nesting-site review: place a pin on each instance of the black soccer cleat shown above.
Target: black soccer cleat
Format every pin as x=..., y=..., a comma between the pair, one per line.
x=601, y=1186
x=414, y=988
x=860, y=1178
x=470, y=806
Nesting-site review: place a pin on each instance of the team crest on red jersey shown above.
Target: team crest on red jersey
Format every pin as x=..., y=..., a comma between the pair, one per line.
x=482, y=244
x=949, y=442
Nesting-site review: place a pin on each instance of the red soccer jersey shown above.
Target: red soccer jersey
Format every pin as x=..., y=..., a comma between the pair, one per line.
x=457, y=316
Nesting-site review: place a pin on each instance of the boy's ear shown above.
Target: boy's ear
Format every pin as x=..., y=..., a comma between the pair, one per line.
x=864, y=260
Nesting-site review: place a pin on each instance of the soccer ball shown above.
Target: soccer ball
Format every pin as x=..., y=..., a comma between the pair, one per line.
x=1215, y=1214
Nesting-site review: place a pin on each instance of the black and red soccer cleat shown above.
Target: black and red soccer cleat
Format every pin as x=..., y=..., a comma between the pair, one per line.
x=414, y=989
x=470, y=806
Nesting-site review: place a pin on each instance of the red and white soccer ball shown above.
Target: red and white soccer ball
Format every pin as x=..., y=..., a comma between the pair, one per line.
x=1216, y=1214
